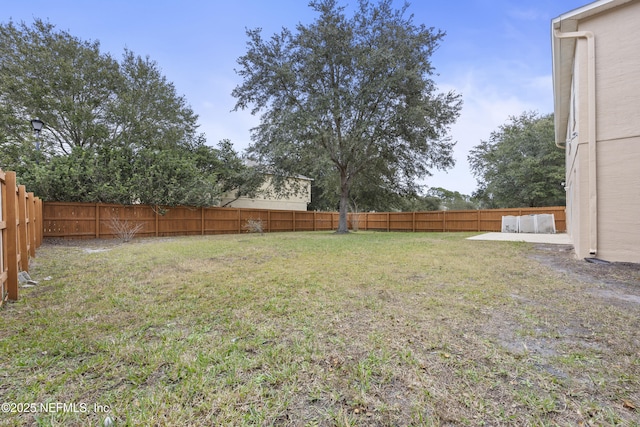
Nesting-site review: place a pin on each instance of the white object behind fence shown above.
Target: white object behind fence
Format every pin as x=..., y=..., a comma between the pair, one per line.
x=510, y=224
x=540, y=224
x=528, y=224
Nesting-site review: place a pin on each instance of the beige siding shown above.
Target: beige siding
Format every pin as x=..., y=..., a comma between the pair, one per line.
x=297, y=200
x=272, y=204
x=619, y=199
x=617, y=64
x=617, y=36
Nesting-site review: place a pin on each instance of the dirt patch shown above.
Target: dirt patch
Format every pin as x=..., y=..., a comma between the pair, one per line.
x=81, y=243
x=100, y=245
x=585, y=319
x=615, y=281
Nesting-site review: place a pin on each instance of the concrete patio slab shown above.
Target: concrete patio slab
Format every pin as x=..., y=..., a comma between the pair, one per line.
x=556, y=239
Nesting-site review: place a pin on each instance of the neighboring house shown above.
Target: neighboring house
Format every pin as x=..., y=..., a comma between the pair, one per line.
x=596, y=87
x=296, y=198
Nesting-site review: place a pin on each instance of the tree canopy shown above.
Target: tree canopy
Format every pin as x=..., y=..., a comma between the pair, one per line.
x=451, y=200
x=520, y=166
x=349, y=94
x=115, y=131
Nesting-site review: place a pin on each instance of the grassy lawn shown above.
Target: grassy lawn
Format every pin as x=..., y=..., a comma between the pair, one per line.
x=316, y=329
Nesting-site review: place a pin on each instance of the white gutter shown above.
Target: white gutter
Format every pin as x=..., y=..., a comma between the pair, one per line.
x=591, y=100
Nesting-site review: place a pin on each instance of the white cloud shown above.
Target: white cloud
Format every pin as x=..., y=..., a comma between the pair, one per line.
x=486, y=107
x=217, y=120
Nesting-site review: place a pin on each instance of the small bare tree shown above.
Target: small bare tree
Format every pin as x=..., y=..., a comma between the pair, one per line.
x=124, y=230
x=254, y=226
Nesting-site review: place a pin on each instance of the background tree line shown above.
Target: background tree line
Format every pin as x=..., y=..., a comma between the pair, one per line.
x=519, y=165
x=115, y=131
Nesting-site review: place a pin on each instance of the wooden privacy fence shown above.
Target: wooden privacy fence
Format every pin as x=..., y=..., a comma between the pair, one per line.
x=21, y=233
x=91, y=220
x=445, y=221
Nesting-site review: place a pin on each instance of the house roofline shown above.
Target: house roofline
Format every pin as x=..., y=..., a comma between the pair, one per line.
x=268, y=170
x=586, y=11
x=563, y=55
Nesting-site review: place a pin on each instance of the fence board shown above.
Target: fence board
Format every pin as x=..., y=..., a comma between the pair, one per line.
x=23, y=229
x=11, y=246
x=304, y=221
x=401, y=221
x=4, y=239
x=180, y=221
x=222, y=221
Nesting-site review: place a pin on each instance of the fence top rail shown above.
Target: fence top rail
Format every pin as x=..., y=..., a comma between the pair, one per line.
x=283, y=211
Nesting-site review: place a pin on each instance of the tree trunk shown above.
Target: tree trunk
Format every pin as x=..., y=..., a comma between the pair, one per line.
x=344, y=204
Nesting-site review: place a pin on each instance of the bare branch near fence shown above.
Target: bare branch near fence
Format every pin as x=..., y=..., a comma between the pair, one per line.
x=124, y=230
x=254, y=226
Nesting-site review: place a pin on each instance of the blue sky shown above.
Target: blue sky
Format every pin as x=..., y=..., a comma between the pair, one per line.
x=497, y=54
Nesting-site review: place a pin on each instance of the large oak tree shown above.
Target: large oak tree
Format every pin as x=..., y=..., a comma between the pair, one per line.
x=351, y=93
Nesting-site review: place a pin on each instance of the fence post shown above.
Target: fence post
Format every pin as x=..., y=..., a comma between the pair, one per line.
x=11, y=245
x=202, y=220
x=269, y=221
x=38, y=221
x=444, y=221
x=23, y=232
x=97, y=216
x=31, y=211
x=155, y=211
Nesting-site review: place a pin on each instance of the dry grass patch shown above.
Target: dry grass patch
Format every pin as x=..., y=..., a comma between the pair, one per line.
x=321, y=330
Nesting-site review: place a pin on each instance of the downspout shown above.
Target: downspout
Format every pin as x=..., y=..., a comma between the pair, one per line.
x=591, y=109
